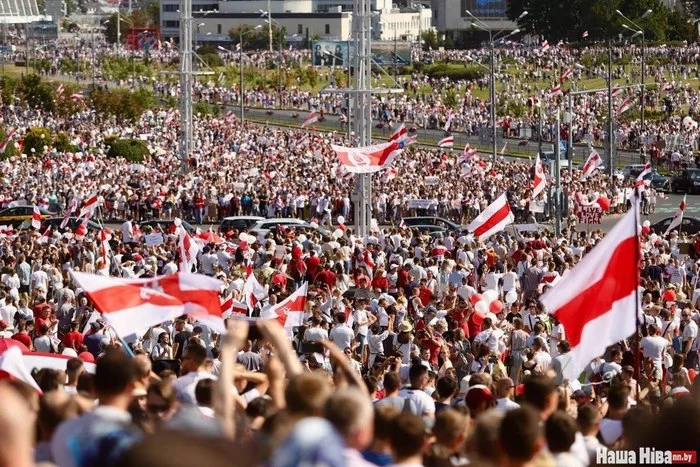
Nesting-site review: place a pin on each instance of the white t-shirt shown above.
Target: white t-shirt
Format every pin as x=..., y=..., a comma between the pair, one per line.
x=510, y=281
x=424, y=403
x=653, y=347
x=504, y=404
x=610, y=430
x=185, y=385
x=691, y=332
x=360, y=316
x=342, y=336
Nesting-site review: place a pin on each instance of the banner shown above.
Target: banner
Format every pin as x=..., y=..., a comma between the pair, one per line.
x=421, y=203
x=154, y=239
x=589, y=214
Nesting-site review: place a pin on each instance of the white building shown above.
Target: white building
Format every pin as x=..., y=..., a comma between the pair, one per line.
x=450, y=16
x=19, y=12
x=303, y=19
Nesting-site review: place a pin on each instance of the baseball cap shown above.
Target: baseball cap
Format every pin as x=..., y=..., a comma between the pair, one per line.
x=477, y=395
x=3, y=323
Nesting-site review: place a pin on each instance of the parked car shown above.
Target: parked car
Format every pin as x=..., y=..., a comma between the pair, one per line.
x=430, y=220
x=690, y=225
x=73, y=223
x=688, y=181
x=21, y=216
x=658, y=181
x=261, y=228
x=429, y=229
x=164, y=225
x=238, y=223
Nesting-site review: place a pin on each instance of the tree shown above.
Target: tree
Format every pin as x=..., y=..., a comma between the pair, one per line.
x=133, y=150
x=37, y=93
x=257, y=39
x=679, y=29
x=429, y=39
x=62, y=143
x=35, y=140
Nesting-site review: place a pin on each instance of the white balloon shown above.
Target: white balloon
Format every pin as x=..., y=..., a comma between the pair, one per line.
x=482, y=307
x=243, y=237
x=687, y=121
x=314, y=225
x=341, y=220
x=511, y=297
x=489, y=296
x=646, y=224
x=337, y=233
x=177, y=222
x=301, y=238
x=251, y=239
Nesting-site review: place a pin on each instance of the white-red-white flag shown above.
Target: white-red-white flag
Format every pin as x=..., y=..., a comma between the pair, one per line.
x=6, y=141
x=54, y=361
x=233, y=308
x=132, y=305
x=81, y=230
x=446, y=142
x=584, y=35
x=104, y=246
x=639, y=182
x=555, y=91
x=77, y=96
x=45, y=236
x=677, y=217
x=90, y=205
x=389, y=175
x=448, y=122
x=539, y=181
x=311, y=119
x=72, y=206
x=493, y=219
x=624, y=106
x=616, y=90
x=400, y=134
x=290, y=311
x=59, y=90
x=597, y=301
x=592, y=163
x=567, y=74
x=188, y=250
x=545, y=47
x=36, y=218
x=368, y=159
x=12, y=366
x=253, y=292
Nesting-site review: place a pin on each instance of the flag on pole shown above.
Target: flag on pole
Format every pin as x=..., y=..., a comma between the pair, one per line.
x=592, y=163
x=89, y=206
x=104, y=246
x=290, y=311
x=566, y=75
x=81, y=230
x=585, y=34
x=400, y=134
x=493, y=219
x=367, y=159
x=539, y=181
x=446, y=142
x=311, y=119
x=59, y=90
x=555, y=91
x=639, y=182
x=448, y=123
x=76, y=97
x=389, y=175
x=72, y=206
x=597, y=301
x=188, y=250
x=233, y=308
x=624, y=106
x=616, y=90
x=677, y=217
x=36, y=218
x=545, y=46
x=45, y=236
x=253, y=292
x=6, y=141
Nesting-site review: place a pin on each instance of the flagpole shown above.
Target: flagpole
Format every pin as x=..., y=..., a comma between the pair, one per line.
x=637, y=324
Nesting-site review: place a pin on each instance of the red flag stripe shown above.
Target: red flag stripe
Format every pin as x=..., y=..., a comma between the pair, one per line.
x=600, y=296
x=492, y=221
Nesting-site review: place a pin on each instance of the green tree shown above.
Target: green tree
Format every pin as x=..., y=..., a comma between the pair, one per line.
x=430, y=40
x=133, y=150
x=61, y=142
x=35, y=140
x=258, y=39
x=679, y=27
x=37, y=93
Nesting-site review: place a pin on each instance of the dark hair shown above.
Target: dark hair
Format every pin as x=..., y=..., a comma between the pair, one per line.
x=407, y=435
x=371, y=383
x=617, y=396
x=560, y=430
x=196, y=352
x=114, y=373
x=392, y=382
x=203, y=392
x=537, y=391
x=416, y=372
x=519, y=433
x=586, y=417
x=446, y=386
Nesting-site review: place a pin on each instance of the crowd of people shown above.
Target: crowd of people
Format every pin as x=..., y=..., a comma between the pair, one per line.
x=413, y=349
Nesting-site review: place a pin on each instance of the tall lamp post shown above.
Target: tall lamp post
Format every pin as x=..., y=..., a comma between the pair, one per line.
x=279, y=60
x=268, y=13
x=477, y=23
x=240, y=60
x=639, y=31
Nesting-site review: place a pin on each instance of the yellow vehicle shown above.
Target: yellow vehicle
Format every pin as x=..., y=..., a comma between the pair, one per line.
x=20, y=217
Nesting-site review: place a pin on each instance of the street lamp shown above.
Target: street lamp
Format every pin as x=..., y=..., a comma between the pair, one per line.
x=477, y=23
x=639, y=31
x=268, y=13
x=269, y=21
x=240, y=59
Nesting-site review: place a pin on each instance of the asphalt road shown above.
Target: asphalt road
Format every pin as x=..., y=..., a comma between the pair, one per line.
x=664, y=208
x=427, y=137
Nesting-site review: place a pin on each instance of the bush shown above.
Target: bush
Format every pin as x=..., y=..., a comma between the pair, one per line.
x=213, y=60
x=133, y=150
x=61, y=143
x=442, y=70
x=205, y=108
x=35, y=140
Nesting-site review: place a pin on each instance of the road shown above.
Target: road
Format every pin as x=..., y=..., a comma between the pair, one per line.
x=664, y=208
x=426, y=137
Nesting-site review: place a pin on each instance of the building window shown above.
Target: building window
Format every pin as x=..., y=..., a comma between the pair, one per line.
x=170, y=8
x=328, y=28
x=218, y=29
x=171, y=24
x=300, y=28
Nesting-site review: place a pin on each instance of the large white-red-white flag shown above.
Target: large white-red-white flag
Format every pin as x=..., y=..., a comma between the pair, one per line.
x=539, y=182
x=400, y=134
x=6, y=141
x=290, y=311
x=597, y=301
x=592, y=163
x=188, y=250
x=624, y=106
x=89, y=206
x=311, y=119
x=493, y=219
x=36, y=218
x=82, y=230
x=639, y=182
x=367, y=159
x=12, y=366
x=131, y=305
x=677, y=217
x=72, y=206
x=233, y=308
